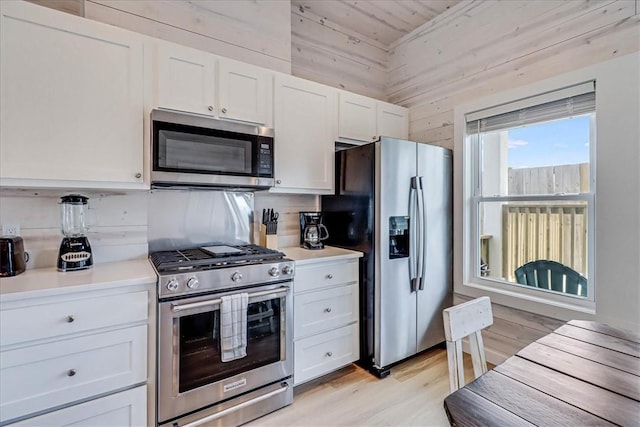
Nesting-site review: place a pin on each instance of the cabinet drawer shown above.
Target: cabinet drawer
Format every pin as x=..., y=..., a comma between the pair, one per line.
x=326, y=274
x=44, y=376
x=323, y=353
x=127, y=408
x=326, y=309
x=49, y=320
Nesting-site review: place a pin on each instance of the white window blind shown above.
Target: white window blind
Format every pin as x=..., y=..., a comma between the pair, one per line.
x=571, y=101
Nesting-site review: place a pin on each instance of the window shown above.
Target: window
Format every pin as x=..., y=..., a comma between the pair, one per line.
x=532, y=193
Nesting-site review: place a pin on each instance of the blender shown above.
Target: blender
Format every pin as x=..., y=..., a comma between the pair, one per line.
x=75, y=251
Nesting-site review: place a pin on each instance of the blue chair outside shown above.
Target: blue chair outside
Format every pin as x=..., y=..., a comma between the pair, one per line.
x=552, y=275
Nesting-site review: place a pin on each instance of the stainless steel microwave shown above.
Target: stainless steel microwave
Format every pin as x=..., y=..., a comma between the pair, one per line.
x=196, y=151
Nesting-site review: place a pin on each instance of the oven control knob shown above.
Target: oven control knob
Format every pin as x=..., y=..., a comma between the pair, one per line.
x=172, y=285
x=287, y=269
x=193, y=283
x=236, y=277
x=274, y=272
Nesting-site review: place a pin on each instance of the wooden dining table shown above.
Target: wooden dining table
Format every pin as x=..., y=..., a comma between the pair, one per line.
x=582, y=374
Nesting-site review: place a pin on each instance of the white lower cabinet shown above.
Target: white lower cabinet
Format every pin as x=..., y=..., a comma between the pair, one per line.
x=127, y=408
x=77, y=358
x=326, y=335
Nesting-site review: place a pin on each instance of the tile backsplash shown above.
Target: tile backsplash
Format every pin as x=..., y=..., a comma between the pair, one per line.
x=118, y=222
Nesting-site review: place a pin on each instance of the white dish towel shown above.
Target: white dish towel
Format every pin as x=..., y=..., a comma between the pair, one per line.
x=233, y=326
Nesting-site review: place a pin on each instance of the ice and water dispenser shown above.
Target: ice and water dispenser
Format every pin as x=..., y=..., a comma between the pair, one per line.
x=398, y=237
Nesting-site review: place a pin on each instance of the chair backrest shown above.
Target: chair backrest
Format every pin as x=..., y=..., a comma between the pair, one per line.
x=466, y=320
x=552, y=275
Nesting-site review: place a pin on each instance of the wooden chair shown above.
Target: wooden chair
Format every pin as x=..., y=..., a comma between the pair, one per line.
x=552, y=275
x=460, y=321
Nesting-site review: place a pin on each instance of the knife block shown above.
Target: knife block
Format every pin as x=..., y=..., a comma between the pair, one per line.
x=268, y=240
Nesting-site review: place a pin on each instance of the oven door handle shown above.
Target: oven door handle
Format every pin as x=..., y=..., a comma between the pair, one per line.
x=182, y=307
x=232, y=409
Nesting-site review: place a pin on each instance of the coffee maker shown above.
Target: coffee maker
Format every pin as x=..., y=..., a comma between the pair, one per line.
x=312, y=231
x=75, y=250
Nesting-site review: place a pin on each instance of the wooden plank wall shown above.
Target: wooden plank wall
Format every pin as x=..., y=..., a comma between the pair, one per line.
x=327, y=53
x=477, y=48
x=257, y=32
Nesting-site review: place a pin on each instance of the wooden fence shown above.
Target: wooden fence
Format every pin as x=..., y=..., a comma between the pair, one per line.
x=556, y=232
x=550, y=179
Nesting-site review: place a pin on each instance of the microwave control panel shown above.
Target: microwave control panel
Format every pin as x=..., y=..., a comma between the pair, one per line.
x=265, y=159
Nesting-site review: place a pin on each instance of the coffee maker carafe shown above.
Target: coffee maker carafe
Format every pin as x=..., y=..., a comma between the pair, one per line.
x=75, y=250
x=312, y=231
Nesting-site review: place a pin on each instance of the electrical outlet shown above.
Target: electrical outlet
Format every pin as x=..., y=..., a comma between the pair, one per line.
x=10, y=229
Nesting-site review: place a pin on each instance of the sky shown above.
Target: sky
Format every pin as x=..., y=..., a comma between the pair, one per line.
x=562, y=142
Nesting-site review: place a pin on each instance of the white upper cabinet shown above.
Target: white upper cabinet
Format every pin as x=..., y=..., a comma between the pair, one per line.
x=305, y=125
x=71, y=96
x=186, y=79
x=367, y=119
x=244, y=92
x=393, y=120
x=357, y=117
x=199, y=82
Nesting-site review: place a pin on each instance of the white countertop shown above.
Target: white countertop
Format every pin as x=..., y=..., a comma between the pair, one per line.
x=306, y=256
x=48, y=281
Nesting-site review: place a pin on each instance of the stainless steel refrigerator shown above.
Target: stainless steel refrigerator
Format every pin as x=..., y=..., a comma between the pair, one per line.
x=393, y=202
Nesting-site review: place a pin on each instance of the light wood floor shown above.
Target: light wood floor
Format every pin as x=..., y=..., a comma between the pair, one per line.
x=411, y=396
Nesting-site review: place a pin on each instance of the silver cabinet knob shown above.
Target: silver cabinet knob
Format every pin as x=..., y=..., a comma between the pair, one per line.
x=224, y=111
x=193, y=283
x=71, y=372
x=172, y=285
x=138, y=175
x=236, y=277
x=278, y=181
x=287, y=269
x=210, y=108
x=328, y=309
x=329, y=276
x=274, y=272
x=329, y=354
x=373, y=137
x=70, y=318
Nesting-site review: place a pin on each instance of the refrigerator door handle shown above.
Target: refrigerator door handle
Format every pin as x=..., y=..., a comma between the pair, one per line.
x=422, y=270
x=413, y=234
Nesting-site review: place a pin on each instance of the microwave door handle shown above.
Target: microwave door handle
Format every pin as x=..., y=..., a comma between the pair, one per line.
x=190, y=306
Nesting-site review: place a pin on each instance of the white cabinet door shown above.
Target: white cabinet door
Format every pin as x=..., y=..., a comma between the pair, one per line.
x=244, y=92
x=186, y=79
x=44, y=376
x=125, y=409
x=71, y=100
x=357, y=117
x=305, y=130
x=393, y=121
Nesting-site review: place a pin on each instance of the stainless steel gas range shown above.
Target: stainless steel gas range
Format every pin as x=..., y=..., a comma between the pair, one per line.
x=195, y=387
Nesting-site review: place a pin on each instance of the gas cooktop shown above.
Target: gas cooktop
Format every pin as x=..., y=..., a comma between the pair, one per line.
x=211, y=257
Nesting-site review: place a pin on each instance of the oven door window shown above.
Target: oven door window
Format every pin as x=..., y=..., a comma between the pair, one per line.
x=178, y=151
x=199, y=352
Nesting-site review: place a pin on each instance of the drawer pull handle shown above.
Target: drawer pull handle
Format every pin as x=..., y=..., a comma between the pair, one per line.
x=329, y=354
x=328, y=309
x=70, y=319
x=329, y=276
x=71, y=372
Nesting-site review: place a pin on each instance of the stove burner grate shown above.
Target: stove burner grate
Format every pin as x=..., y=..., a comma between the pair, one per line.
x=200, y=259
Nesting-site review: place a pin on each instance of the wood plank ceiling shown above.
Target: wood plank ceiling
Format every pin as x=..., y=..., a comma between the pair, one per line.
x=382, y=21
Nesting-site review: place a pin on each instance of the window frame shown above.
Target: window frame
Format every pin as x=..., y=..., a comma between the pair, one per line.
x=471, y=170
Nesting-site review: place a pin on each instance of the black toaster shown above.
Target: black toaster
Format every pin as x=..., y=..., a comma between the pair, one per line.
x=13, y=258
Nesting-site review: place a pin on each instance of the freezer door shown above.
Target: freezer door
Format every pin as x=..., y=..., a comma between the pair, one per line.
x=434, y=295
x=395, y=302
